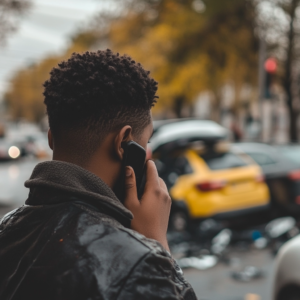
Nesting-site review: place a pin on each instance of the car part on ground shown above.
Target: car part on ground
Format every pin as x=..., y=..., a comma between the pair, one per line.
x=209, y=228
x=221, y=241
x=201, y=263
x=205, y=251
x=260, y=243
x=280, y=226
x=279, y=231
x=247, y=274
x=178, y=221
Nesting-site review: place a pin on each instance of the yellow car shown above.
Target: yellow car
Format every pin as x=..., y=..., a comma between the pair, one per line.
x=205, y=176
x=212, y=184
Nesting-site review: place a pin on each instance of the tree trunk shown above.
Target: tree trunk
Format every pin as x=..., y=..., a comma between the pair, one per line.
x=287, y=81
x=216, y=106
x=293, y=124
x=177, y=107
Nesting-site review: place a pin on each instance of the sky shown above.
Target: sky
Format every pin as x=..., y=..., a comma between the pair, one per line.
x=45, y=29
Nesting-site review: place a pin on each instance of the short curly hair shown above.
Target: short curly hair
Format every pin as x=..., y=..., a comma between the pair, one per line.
x=96, y=93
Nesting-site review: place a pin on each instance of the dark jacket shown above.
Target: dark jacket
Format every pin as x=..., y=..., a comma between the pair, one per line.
x=72, y=240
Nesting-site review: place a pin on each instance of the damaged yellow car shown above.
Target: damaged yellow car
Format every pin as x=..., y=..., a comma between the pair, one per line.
x=208, y=180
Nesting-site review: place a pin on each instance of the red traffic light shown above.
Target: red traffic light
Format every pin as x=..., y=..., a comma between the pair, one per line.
x=271, y=65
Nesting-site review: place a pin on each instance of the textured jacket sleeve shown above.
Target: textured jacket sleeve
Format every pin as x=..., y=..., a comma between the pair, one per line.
x=155, y=277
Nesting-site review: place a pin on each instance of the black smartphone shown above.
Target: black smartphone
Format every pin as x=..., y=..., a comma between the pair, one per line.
x=135, y=157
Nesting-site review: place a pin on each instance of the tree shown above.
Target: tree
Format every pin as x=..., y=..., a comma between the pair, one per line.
x=281, y=29
x=24, y=98
x=189, y=45
x=9, y=10
x=189, y=49
x=290, y=9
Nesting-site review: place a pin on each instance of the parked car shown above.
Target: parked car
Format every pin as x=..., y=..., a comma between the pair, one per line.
x=33, y=144
x=205, y=178
x=178, y=133
x=286, y=281
x=9, y=150
x=281, y=174
x=290, y=152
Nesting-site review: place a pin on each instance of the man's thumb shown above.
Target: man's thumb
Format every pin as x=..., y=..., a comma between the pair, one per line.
x=130, y=187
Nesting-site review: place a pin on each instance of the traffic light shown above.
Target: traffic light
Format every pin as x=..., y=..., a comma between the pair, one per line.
x=270, y=69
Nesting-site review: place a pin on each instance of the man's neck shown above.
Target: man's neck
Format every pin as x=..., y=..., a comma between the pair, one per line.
x=102, y=162
x=99, y=165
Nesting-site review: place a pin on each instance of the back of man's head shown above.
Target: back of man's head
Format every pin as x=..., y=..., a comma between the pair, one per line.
x=95, y=93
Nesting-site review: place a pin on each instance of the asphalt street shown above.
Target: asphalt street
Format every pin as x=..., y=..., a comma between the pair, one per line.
x=217, y=284
x=13, y=174
x=212, y=284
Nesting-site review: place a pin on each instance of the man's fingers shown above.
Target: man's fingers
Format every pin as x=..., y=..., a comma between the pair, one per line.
x=152, y=175
x=130, y=188
x=163, y=185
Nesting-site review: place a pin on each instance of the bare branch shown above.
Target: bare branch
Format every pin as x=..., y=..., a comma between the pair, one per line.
x=10, y=10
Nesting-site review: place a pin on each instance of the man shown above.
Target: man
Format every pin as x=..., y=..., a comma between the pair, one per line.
x=74, y=239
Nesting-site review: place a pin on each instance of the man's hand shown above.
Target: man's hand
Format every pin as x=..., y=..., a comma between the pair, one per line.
x=151, y=213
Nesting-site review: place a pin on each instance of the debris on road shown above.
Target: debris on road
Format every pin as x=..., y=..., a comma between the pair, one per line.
x=221, y=241
x=247, y=274
x=280, y=226
x=202, y=263
x=261, y=243
x=212, y=243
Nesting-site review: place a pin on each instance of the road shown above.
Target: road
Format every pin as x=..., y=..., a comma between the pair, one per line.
x=212, y=284
x=217, y=284
x=13, y=174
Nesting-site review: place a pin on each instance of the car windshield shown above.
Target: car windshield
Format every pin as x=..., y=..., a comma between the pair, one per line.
x=261, y=158
x=219, y=161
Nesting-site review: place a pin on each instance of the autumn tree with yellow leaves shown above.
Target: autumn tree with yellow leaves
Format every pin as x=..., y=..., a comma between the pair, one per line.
x=189, y=46
x=24, y=98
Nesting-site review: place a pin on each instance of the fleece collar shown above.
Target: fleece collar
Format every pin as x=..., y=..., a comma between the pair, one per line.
x=54, y=182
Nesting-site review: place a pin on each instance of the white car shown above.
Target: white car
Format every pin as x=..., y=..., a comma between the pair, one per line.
x=286, y=283
x=179, y=133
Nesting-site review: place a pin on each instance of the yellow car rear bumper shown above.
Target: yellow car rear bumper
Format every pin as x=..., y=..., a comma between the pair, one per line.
x=209, y=204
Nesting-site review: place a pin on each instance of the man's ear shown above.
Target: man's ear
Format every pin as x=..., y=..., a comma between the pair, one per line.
x=124, y=135
x=50, y=139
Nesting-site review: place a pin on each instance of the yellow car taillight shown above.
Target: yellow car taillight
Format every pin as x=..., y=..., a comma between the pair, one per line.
x=211, y=185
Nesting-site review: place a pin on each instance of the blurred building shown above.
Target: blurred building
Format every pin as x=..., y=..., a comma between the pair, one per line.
x=266, y=121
